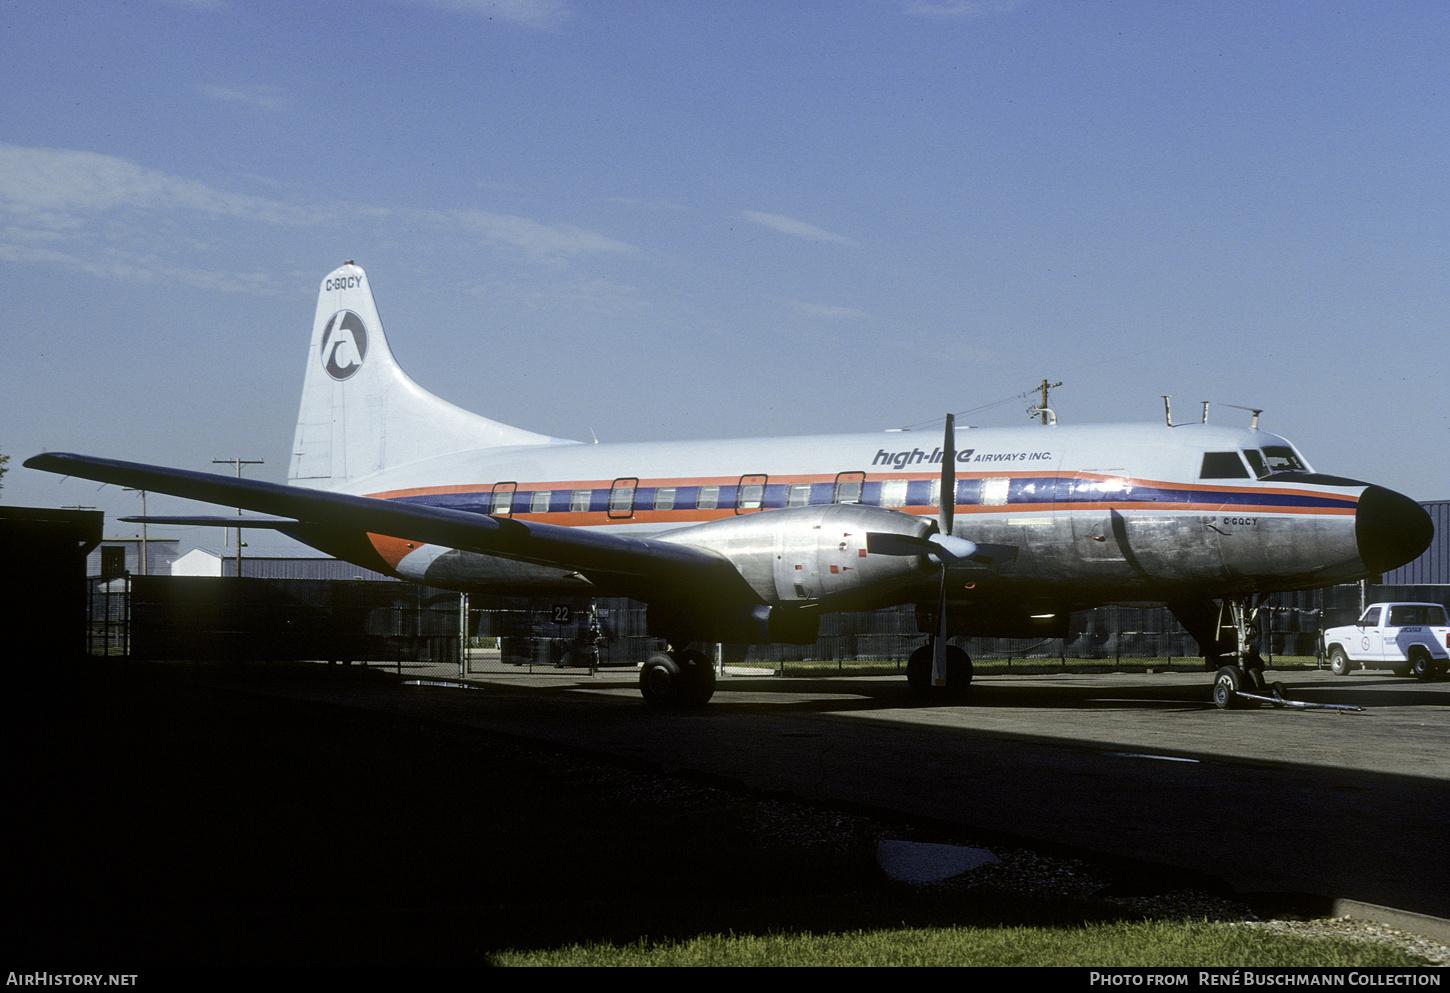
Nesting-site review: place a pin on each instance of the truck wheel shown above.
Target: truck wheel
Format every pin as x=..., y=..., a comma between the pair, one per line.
x=1339, y=663
x=1422, y=666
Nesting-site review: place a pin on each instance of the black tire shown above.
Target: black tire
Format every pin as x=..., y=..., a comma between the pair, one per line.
x=698, y=674
x=959, y=669
x=1339, y=662
x=1422, y=666
x=1226, y=687
x=918, y=671
x=660, y=681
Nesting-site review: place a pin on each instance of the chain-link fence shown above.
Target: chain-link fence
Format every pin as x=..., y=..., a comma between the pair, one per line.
x=402, y=624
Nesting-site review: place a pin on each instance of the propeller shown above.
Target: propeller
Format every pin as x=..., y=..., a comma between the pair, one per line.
x=946, y=512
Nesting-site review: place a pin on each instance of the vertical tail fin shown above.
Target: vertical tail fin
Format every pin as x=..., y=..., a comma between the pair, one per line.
x=360, y=412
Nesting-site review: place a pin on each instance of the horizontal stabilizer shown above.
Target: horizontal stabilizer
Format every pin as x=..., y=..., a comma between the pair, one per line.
x=219, y=521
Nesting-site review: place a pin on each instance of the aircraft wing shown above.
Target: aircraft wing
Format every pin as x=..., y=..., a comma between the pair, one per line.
x=647, y=563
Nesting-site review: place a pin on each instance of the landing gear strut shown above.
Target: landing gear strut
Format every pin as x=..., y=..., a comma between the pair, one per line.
x=680, y=678
x=1238, y=628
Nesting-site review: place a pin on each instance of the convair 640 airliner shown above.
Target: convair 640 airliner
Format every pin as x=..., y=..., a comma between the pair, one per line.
x=998, y=533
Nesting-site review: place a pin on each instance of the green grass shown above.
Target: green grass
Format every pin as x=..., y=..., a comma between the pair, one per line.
x=1130, y=944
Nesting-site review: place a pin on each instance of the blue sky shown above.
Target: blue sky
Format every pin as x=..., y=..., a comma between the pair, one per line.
x=656, y=220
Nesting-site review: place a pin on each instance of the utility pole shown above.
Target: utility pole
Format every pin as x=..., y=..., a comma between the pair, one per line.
x=238, y=463
x=1044, y=388
x=143, y=527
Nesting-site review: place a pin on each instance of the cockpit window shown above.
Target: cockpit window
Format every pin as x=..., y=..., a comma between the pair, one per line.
x=1256, y=462
x=1282, y=459
x=1223, y=465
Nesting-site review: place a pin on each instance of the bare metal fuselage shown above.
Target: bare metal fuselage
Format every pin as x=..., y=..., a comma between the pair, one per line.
x=1074, y=517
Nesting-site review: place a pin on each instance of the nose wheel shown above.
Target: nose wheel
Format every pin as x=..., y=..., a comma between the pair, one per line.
x=677, y=679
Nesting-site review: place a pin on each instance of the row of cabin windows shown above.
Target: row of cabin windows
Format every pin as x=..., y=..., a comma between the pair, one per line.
x=755, y=493
x=752, y=493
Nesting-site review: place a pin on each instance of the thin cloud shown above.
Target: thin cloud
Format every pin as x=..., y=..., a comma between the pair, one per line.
x=541, y=15
x=271, y=98
x=535, y=238
x=51, y=187
x=828, y=312
x=798, y=229
x=109, y=216
x=961, y=9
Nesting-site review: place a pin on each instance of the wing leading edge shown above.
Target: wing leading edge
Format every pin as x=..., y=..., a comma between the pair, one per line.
x=645, y=564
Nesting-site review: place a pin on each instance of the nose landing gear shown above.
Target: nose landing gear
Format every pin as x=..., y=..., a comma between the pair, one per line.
x=1240, y=683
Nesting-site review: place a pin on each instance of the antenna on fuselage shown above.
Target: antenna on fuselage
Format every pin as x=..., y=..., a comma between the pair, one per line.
x=1254, y=413
x=1167, y=409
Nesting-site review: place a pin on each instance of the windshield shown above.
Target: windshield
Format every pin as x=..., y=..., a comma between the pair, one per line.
x=1274, y=458
x=1282, y=458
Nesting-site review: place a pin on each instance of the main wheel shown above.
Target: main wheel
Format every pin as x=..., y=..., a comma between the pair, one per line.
x=699, y=677
x=918, y=671
x=1226, y=687
x=1339, y=662
x=959, y=669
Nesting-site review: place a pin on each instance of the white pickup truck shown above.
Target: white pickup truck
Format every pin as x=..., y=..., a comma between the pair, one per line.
x=1410, y=638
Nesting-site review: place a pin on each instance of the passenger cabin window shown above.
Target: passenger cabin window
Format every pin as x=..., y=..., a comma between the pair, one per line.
x=621, y=497
x=893, y=493
x=708, y=498
x=848, y=487
x=1223, y=465
x=501, y=502
x=579, y=500
x=798, y=495
x=664, y=498
x=751, y=494
x=994, y=492
x=539, y=502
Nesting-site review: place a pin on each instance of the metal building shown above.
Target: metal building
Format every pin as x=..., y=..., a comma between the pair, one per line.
x=1432, y=568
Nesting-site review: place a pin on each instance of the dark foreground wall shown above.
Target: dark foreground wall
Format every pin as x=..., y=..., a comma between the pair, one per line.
x=43, y=580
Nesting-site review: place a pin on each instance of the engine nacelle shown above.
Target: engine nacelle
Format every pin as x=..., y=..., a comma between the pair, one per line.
x=801, y=555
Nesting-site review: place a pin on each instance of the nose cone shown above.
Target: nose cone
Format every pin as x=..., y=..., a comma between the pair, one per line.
x=1390, y=529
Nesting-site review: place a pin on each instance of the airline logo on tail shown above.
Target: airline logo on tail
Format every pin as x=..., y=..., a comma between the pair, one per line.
x=344, y=345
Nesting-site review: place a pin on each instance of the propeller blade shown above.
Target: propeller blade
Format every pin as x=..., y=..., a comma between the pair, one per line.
x=947, y=496
x=951, y=548
x=939, y=642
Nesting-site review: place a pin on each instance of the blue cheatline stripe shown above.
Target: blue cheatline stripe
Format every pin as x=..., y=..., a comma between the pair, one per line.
x=1023, y=493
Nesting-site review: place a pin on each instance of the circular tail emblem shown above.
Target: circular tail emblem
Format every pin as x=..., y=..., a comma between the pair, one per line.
x=344, y=345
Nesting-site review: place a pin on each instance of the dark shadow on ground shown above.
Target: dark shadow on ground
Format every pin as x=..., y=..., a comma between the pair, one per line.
x=158, y=819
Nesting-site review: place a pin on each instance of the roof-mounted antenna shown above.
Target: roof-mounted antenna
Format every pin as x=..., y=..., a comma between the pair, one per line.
x=1205, y=410
x=1167, y=410
x=1254, y=413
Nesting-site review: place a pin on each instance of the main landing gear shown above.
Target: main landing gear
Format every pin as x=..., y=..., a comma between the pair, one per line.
x=680, y=678
x=919, y=665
